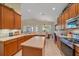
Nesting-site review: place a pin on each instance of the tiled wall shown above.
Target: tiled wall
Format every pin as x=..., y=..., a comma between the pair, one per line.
x=5, y=32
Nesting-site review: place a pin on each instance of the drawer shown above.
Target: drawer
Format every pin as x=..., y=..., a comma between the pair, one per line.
x=10, y=41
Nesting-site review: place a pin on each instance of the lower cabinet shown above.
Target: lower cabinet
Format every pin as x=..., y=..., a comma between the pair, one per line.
x=31, y=51
x=20, y=40
x=76, y=50
x=10, y=47
x=76, y=53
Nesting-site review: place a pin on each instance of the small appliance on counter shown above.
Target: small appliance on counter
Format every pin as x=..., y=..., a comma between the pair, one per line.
x=10, y=34
x=15, y=32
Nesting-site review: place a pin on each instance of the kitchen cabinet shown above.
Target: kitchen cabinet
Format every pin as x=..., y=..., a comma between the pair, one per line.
x=17, y=21
x=72, y=11
x=9, y=19
x=76, y=53
x=66, y=14
x=20, y=40
x=63, y=21
x=10, y=47
x=76, y=50
x=0, y=16
x=77, y=7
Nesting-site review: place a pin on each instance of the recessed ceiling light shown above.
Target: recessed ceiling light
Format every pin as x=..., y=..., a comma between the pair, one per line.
x=29, y=10
x=41, y=13
x=53, y=8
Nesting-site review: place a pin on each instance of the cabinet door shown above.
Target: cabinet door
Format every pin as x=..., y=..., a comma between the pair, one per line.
x=66, y=16
x=76, y=54
x=11, y=19
x=72, y=11
x=10, y=48
x=17, y=21
x=0, y=16
x=19, y=43
x=20, y=40
x=77, y=6
x=63, y=20
x=7, y=18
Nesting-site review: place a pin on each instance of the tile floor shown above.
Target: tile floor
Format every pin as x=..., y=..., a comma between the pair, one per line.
x=50, y=49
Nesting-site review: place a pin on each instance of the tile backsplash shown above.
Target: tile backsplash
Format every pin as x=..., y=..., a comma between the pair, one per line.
x=5, y=32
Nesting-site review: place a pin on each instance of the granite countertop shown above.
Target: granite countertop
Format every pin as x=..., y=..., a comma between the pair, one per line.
x=9, y=38
x=12, y=37
x=37, y=42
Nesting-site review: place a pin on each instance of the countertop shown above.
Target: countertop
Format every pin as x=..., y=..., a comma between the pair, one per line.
x=67, y=42
x=76, y=44
x=13, y=37
x=37, y=42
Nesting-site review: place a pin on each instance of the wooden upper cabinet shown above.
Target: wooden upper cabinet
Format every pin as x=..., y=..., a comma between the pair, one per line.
x=66, y=14
x=17, y=21
x=11, y=19
x=59, y=21
x=72, y=11
x=7, y=18
x=77, y=6
x=63, y=19
x=0, y=16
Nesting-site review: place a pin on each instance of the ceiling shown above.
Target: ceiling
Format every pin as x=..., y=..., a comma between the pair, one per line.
x=42, y=11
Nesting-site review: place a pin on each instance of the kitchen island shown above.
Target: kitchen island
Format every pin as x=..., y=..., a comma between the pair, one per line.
x=34, y=47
